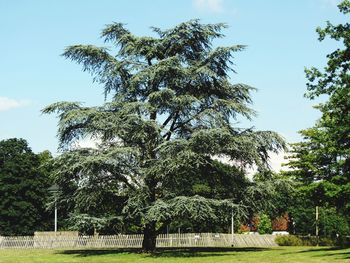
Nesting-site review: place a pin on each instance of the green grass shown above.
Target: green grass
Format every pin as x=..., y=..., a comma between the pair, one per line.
x=261, y=255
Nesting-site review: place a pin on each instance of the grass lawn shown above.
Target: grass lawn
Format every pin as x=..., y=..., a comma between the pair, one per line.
x=277, y=254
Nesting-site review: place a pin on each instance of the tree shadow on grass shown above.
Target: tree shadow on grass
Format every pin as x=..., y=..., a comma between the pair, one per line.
x=328, y=251
x=98, y=252
x=164, y=252
x=320, y=249
x=202, y=252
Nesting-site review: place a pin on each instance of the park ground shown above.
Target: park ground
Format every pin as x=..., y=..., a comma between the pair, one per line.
x=261, y=255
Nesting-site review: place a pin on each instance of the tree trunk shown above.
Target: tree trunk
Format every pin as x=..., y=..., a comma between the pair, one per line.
x=149, y=232
x=149, y=237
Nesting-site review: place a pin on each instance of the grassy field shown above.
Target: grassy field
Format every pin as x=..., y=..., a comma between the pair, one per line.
x=278, y=254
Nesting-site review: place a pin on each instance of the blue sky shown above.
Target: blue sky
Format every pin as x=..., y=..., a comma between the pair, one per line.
x=280, y=35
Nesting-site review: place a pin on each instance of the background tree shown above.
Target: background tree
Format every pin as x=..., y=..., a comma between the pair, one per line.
x=23, y=187
x=265, y=225
x=321, y=162
x=171, y=109
x=281, y=189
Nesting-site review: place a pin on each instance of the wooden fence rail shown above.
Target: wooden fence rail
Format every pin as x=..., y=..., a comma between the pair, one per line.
x=135, y=241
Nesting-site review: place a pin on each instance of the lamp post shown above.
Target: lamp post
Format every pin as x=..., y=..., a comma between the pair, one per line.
x=316, y=217
x=54, y=189
x=232, y=227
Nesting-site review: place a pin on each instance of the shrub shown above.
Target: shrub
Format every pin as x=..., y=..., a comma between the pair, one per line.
x=343, y=241
x=291, y=240
x=314, y=241
x=326, y=241
x=288, y=240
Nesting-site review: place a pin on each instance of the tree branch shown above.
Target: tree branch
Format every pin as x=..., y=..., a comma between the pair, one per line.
x=168, y=119
x=168, y=134
x=189, y=120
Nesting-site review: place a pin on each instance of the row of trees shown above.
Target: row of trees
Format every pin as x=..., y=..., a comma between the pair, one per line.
x=170, y=115
x=27, y=203
x=25, y=179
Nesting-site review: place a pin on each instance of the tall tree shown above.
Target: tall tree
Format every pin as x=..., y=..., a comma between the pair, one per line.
x=23, y=189
x=172, y=109
x=322, y=160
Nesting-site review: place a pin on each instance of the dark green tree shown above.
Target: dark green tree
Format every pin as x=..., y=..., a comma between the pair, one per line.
x=23, y=189
x=171, y=108
x=282, y=190
x=322, y=160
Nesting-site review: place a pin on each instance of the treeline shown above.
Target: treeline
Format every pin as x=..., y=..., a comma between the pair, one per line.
x=271, y=201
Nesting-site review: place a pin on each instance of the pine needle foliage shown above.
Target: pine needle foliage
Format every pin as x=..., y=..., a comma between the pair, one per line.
x=170, y=108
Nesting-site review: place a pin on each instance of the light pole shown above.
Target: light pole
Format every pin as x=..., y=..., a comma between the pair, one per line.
x=55, y=214
x=317, y=225
x=232, y=226
x=54, y=189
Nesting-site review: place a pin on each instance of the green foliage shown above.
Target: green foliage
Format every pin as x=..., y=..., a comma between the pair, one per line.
x=333, y=224
x=288, y=240
x=321, y=162
x=171, y=109
x=326, y=241
x=281, y=190
x=335, y=75
x=265, y=225
x=90, y=225
x=302, y=212
x=291, y=240
x=24, y=183
x=343, y=241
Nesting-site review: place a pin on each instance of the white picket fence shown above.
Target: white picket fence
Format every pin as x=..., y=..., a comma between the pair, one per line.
x=135, y=241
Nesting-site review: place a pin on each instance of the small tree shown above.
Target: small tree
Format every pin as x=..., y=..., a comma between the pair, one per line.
x=265, y=225
x=172, y=109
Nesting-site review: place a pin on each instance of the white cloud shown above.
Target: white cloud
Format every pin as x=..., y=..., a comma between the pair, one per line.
x=7, y=103
x=213, y=6
x=276, y=161
x=88, y=142
x=332, y=3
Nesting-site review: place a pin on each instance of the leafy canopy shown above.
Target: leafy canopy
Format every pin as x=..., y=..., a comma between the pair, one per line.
x=24, y=184
x=322, y=160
